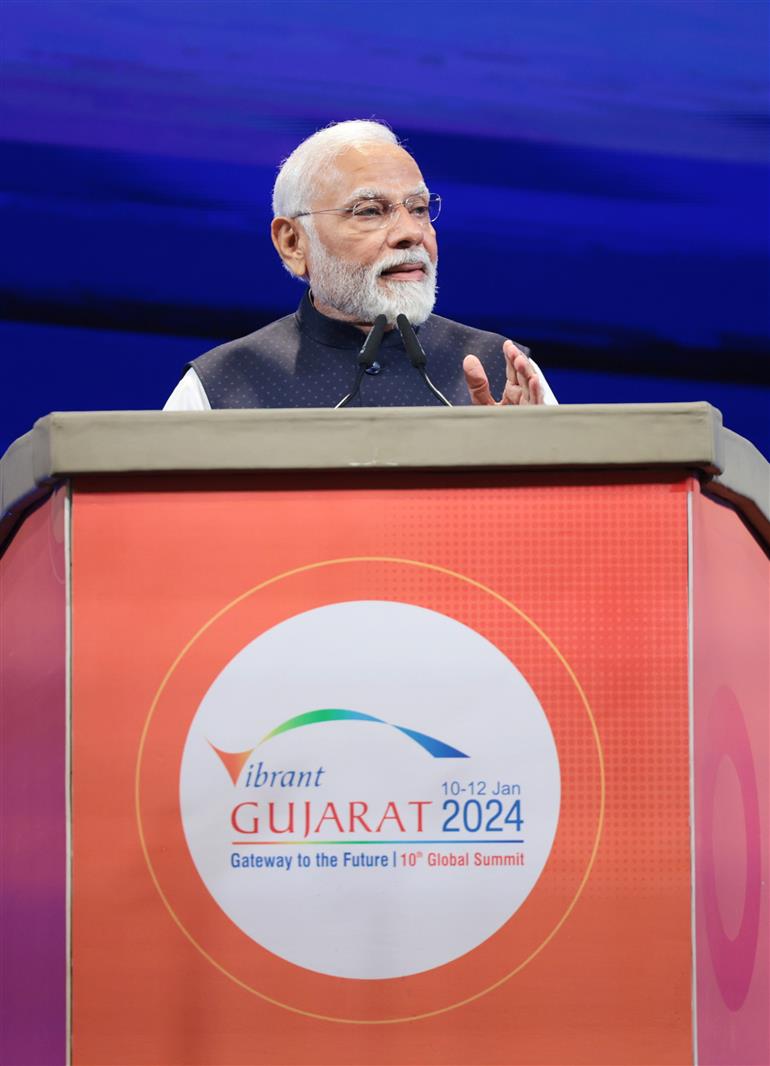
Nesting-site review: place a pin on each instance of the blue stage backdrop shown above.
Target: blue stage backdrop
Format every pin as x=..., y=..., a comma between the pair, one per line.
x=604, y=168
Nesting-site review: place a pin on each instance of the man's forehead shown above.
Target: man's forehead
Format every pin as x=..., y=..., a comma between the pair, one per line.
x=381, y=169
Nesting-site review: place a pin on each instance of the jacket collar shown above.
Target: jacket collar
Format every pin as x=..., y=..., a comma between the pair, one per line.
x=334, y=333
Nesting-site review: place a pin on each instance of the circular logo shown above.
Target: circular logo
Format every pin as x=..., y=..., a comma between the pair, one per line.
x=348, y=792
x=369, y=789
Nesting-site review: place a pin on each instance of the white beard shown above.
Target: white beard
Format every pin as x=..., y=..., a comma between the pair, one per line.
x=360, y=292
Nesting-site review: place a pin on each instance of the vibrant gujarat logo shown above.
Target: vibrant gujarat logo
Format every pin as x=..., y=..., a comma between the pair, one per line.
x=291, y=817
x=380, y=850
x=234, y=761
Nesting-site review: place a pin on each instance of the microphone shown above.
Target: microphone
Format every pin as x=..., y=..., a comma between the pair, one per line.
x=417, y=356
x=366, y=358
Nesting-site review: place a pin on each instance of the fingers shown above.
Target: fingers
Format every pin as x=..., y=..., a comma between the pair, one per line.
x=513, y=395
x=477, y=381
x=523, y=385
x=536, y=394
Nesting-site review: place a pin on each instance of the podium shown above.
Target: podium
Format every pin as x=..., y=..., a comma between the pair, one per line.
x=386, y=736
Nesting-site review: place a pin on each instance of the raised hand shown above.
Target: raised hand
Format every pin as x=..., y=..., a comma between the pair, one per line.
x=522, y=382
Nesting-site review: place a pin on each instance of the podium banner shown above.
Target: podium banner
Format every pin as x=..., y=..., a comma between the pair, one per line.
x=394, y=773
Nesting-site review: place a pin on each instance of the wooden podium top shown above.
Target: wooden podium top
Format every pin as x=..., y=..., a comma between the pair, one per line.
x=584, y=436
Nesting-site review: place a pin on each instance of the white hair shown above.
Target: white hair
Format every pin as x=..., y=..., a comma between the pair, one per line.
x=299, y=175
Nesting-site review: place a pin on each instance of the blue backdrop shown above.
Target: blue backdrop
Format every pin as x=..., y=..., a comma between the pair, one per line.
x=604, y=168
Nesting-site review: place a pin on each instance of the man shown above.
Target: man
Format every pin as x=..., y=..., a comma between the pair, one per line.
x=354, y=220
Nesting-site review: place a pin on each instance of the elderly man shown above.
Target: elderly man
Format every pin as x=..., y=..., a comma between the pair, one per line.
x=354, y=220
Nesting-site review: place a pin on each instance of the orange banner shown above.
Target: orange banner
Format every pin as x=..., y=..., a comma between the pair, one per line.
x=391, y=772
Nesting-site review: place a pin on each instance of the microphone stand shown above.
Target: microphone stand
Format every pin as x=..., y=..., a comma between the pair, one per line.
x=366, y=358
x=417, y=356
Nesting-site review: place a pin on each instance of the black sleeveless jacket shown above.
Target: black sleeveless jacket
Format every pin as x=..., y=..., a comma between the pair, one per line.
x=309, y=360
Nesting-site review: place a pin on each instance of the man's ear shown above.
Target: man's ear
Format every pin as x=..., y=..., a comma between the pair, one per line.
x=290, y=242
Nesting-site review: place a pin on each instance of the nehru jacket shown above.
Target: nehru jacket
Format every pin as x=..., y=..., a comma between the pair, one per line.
x=309, y=360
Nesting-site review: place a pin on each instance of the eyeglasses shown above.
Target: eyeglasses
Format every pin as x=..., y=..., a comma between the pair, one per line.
x=374, y=213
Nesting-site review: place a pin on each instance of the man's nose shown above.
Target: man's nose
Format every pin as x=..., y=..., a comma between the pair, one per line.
x=404, y=230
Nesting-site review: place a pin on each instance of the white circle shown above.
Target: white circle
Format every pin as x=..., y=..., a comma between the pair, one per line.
x=401, y=858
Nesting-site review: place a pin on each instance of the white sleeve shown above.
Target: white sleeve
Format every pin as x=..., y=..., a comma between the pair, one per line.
x=189, y=395
x=548, y=396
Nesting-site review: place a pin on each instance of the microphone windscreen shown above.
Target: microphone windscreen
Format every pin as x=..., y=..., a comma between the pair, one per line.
x=372, y=343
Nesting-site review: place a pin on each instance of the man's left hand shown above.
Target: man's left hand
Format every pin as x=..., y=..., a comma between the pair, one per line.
x=522, y=381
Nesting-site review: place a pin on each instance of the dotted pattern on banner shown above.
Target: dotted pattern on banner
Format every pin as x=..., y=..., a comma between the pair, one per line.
x=602, y=569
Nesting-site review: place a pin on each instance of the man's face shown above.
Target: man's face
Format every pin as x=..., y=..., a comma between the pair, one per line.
x=355, y=274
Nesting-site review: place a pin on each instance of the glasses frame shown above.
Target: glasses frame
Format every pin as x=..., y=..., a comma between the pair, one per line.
x=433, y=198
